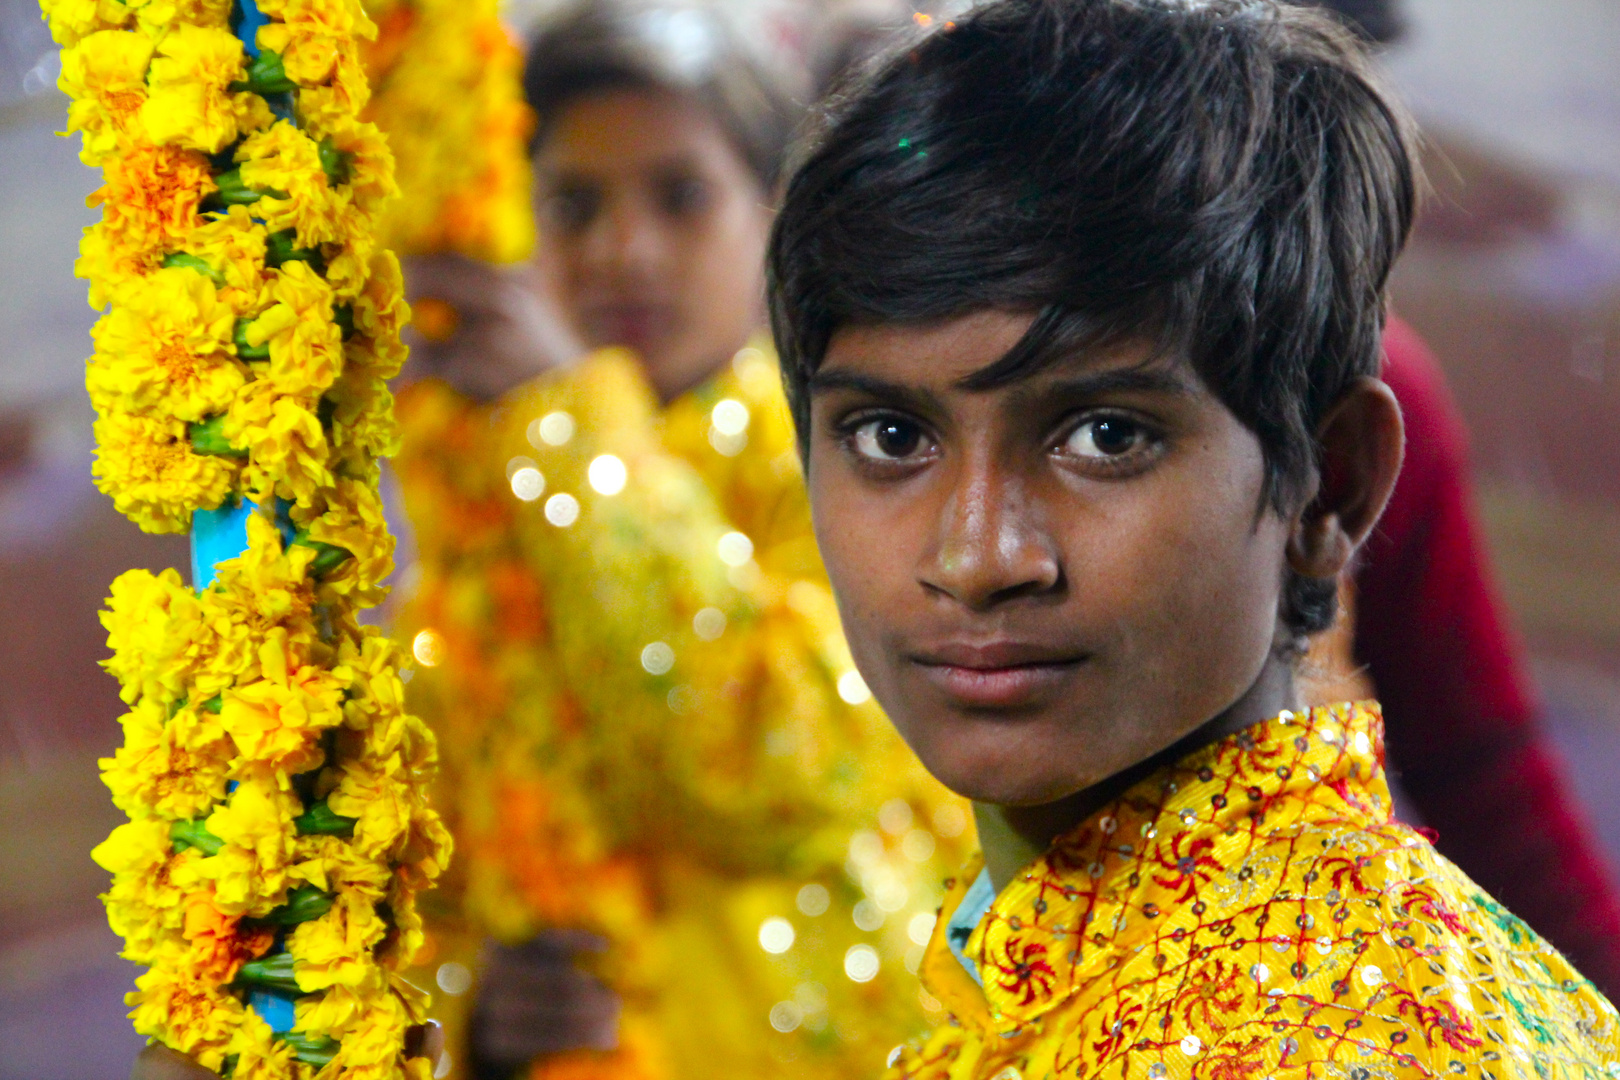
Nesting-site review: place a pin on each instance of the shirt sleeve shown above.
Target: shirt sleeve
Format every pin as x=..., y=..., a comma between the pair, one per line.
x=1463, y=728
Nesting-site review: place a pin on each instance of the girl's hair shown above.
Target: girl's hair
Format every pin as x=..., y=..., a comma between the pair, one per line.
x=708, y=52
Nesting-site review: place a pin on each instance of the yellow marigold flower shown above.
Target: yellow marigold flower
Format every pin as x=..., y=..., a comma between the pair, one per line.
x=335, y=950
x=154, y=478
x=112, y=266
x=250, y=871
x=265, y=590
x=376, y=699
x=333, y=865
x=157, y=16
x=348, y=268
x=334, y=1011
x=74, y=20
x=326, y=108
x=221, y=943
x=233, y=245
x=151, y=622
x=277, y=720
x=288, y=448
x=363, y=423
x=306, y=346
x=371, y=1049
x=380, y=313
x=167, y=350
x=188, y=102
x=150, y=196
x=353, y=519
x=105, y=75
x=377, y=797
x=259, y=1054
x=135, y=848
x=428, y=845
x=314, y=37
x=176, y=768
x=192, y=1015
x=371, y=162
x=283, y=158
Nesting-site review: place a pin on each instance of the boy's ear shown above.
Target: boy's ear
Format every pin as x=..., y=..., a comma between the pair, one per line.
x=1363, y=440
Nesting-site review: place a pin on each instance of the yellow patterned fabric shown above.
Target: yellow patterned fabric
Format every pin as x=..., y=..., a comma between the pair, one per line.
x=1253, y=913
x=632, y=658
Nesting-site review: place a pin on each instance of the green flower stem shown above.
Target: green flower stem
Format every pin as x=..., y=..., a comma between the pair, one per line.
x=265, y=75
x=279, y=251
x=316, y=1050
x=319, y=820
x=233, y=192
x=189, y=261
x=271, y=973
x=243, y=349
x=304, y=904
x=328, y=557
x=208, y=438
x=337, y=164
x=193, y=834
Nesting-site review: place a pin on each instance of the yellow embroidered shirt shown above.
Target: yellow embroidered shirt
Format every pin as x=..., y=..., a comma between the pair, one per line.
x=1254, y=913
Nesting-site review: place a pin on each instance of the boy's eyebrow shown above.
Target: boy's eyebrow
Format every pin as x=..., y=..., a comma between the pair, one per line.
x=1140, y=379
x=824, y=381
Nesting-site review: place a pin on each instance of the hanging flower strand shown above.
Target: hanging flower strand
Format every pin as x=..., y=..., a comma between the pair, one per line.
x=448, y=91
x=278, y=836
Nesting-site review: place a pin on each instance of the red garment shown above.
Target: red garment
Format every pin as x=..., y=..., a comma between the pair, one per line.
x=1463, y=730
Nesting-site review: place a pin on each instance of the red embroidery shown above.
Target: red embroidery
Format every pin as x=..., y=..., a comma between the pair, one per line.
x=1026, y=970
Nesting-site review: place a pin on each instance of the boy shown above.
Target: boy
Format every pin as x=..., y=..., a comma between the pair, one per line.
x=1079, y=304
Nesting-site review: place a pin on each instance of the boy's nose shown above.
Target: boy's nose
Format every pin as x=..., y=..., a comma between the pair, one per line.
x=991, y=548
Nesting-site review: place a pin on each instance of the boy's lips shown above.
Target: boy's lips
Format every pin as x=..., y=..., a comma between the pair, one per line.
x=998, y=675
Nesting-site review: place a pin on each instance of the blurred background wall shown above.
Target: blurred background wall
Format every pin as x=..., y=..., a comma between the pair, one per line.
x=1514, y=278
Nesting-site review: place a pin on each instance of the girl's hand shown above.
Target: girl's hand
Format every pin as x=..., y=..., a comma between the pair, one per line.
x=483, y=329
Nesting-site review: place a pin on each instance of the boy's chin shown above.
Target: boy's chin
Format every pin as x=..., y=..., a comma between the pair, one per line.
x=1027, y=778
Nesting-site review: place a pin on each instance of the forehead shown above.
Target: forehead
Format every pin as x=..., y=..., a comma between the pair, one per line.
x=951, y=353
x=629, y=129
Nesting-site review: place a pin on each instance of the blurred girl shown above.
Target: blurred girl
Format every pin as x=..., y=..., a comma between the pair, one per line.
x=698, y=850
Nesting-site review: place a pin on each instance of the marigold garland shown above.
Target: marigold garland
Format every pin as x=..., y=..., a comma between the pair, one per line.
x=448, y=92
x=278, y=834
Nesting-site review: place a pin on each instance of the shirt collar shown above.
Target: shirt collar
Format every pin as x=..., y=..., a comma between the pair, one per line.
x=1098, y=891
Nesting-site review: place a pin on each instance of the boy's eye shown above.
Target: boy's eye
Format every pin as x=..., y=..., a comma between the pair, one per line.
x=889, y=439
x=1107, y=437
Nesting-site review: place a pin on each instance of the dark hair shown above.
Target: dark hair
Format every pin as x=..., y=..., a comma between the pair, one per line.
x=1225, y=177
x=703, y=50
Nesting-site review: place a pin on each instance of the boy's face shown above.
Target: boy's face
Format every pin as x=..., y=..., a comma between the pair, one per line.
x=1047, y=582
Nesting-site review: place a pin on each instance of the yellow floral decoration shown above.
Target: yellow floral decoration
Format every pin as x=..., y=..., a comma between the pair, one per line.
x=279, y=834
x=448, y=93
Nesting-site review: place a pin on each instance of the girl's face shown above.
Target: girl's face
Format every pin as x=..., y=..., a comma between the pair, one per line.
x=652, y=232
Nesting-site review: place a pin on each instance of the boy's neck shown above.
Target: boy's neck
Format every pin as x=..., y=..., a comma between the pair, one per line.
x=1013, y=837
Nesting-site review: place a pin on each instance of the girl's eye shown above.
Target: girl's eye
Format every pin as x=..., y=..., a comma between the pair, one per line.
x=573, y=209
x=1107, y=437
x=683, y=196
x=889, y=439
